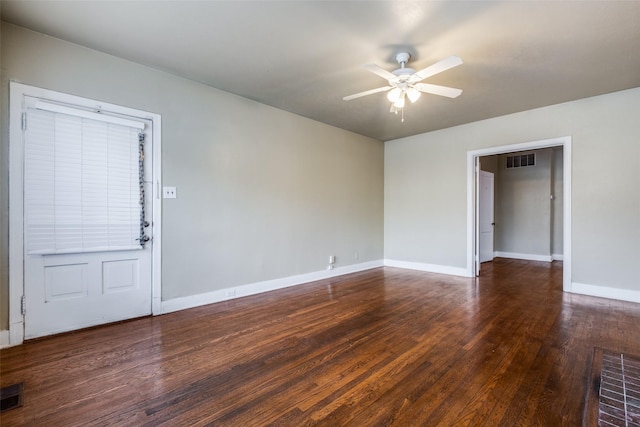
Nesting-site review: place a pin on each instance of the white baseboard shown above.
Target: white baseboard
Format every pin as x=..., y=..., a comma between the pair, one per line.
x=4, y=339
x=528, y=257
x=605, y=292
x=557, y=257
x=431, y=268
x=192, y=301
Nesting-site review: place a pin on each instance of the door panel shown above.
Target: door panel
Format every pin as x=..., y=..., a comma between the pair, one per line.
x=120, y=276
x=486, y=215
x=72, y=291
x=68, y=291
x=65, y=281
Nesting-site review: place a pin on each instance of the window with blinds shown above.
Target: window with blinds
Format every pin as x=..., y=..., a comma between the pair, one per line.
x=82, y=190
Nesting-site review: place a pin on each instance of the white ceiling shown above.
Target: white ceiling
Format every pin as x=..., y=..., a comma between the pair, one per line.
x=304, y=56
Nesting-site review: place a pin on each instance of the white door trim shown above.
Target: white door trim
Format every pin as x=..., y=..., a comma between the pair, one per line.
x=16, y=186
x=565, y=143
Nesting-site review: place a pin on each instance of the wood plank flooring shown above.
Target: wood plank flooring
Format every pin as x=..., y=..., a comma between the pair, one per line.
x=385, y=347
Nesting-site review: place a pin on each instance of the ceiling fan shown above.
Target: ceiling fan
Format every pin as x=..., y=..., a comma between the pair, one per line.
x=405, y=82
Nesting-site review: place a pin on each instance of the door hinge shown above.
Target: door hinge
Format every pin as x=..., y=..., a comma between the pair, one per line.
x=24, y=121
x=23, y=305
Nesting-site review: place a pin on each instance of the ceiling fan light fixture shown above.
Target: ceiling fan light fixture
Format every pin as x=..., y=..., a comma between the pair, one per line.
x=394, y=94
x=399, y=103
x=413, y=94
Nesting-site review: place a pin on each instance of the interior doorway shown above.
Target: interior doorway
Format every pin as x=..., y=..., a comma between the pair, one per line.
x=473, y=182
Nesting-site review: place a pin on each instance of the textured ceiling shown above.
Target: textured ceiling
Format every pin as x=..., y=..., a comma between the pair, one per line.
x=304, y=56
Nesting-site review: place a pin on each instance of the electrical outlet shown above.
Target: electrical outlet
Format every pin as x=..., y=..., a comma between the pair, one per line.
x=169, y=192
x=332, y=259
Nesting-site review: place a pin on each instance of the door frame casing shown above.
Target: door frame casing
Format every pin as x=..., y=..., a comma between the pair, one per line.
x=17, y=92
x=472, y=156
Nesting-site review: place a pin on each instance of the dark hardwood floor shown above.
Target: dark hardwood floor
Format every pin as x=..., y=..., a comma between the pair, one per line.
x=385, y=347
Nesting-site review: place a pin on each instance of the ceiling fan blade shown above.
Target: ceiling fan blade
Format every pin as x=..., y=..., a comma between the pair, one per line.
x=373, y=68
x=366, y=92
x=449, y=92
x=438, y=67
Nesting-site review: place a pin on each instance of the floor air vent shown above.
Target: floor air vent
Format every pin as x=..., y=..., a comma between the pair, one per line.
x=613, y=394
x=11, y=397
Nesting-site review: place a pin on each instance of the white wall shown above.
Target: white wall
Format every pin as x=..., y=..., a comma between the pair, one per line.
x=425, y=187
x=523, y=207
x=262, y=194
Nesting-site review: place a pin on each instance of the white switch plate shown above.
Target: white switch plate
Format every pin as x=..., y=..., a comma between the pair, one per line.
x=169, y=192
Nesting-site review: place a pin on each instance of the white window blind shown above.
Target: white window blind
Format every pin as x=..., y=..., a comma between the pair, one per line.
x=82, y=191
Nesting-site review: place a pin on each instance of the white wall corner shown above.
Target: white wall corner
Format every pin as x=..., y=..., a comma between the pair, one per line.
x=557, y=257
x=431, y=268
x=226, y=294
x=606, y=292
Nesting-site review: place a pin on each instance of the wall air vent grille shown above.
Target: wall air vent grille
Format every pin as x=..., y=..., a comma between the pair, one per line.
x=521, y=160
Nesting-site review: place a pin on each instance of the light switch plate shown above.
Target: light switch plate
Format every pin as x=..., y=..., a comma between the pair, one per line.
x=169, y=192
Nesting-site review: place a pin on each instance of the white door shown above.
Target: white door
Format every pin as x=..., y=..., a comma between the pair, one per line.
x=87, y=205
x=485, y=215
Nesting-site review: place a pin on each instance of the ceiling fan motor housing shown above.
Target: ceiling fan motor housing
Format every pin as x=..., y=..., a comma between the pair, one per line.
x=402, y=57
x=402, y=72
